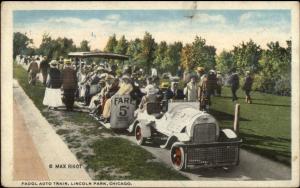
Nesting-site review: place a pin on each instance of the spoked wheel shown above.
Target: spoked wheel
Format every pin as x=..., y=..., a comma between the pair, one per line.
x=139, y=136
x=177, y=157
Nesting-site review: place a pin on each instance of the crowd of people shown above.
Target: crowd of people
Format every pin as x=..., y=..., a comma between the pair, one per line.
x=96, y=84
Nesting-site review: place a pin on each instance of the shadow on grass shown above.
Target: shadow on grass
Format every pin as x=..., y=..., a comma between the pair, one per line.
x=281, y=105
x=270, y=147
x=221, y=116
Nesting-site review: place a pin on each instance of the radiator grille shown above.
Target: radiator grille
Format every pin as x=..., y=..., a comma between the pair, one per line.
x=204, y=133
x=213, y=155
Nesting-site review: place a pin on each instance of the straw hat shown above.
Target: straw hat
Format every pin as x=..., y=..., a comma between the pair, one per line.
x=67, y=61
x=53, y=63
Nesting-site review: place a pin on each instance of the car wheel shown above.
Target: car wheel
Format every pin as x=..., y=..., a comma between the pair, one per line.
x=140, y=140
x=177, y=157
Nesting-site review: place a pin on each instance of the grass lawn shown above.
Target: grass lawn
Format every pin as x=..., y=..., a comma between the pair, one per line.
x=265, y=125
x=113, y=158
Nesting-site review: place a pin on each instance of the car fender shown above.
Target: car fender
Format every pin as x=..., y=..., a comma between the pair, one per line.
x=145, y=128
x=169, y=142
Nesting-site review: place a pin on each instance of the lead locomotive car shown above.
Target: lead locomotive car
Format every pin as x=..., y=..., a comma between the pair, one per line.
x=193, y=137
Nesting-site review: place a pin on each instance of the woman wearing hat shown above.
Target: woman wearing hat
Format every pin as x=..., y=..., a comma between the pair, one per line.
x=53, y=93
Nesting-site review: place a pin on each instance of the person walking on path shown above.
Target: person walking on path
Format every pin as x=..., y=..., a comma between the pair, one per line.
x=53, y=93
x=32, y=70
x=235, y=84
x=69, y=84
x=247, y=87
x=44, y=66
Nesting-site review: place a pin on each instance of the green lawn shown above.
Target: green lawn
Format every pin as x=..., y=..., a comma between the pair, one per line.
x=265, y=125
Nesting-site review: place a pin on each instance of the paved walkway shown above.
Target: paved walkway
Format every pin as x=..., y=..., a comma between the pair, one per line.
x=50, y=149
x=27, y=162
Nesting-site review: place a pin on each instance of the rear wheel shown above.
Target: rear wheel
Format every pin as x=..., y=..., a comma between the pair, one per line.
x=139, y=136
x=177, y=157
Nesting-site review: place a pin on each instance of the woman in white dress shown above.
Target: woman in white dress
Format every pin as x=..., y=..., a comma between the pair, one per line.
x=53, y=93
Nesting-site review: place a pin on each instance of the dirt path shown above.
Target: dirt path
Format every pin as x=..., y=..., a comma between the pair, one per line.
x=251, y=167
x=27, y=162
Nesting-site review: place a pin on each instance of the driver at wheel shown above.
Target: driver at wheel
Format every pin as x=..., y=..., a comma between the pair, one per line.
x=150, y=96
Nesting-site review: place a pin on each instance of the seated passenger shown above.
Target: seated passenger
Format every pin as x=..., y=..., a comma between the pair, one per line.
x=150, y=96
x=177, y=93
x=120, y=107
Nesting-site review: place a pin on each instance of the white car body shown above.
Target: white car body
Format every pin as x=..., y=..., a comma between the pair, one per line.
x=195, y=133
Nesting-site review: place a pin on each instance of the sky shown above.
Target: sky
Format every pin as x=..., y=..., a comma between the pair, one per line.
x=221, y=28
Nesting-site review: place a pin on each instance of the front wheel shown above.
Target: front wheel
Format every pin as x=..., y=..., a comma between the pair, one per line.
x=177, y=157
x=140, y=139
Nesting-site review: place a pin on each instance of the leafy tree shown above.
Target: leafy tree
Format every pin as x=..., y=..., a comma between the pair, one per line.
x=174, y=55
x=20, y=44
x=147, y=53
x=111, y=44
x=84, y=46
x=161, y=55
x=56, y=48
x=225, y=61
x=202, y=54
x=134, y=49
x=186, y=56
x=122, y=46
x=275, y=74
x=246, y=56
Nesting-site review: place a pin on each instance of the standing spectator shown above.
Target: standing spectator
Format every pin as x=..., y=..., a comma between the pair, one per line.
x=190, y=91
x=247, y=87
x=204, y=98
x=235, y=83
x=44, y=66
x=211, y=83
x=219, y=83
x=69, y=84
x=200, y=73
x=179, y=72
x=53, y=93
x=32, y=70
x=61, y=63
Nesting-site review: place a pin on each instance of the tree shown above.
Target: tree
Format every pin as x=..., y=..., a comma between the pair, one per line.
x=134, y=48
x=56, y=48
x=147, y=53
x=225, y=62
x=202, y=54
x=161, y=55
x=84, y=46
x=174, y=55
x=186, y=57
x=275, y=69
x=122, y=46
x=246, y=56
x=111, y=44
x=20, y=44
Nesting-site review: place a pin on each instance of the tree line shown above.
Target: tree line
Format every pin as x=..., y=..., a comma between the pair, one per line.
x=271, y=67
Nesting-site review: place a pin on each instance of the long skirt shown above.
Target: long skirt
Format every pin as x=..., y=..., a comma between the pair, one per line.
x=52, y=97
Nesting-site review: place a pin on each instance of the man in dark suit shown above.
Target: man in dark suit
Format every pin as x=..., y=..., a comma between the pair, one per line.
x=69, y=84
x=44, y=66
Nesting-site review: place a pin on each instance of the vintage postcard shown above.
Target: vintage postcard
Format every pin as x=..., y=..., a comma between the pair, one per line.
x=149, y=94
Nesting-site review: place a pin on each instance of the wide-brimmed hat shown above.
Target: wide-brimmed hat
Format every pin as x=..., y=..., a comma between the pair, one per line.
x=200, y=69
x=150, y=90
x=125, y=77
x=53, y=63
x=165, y=85
x=67, y=61
x=109, y=77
